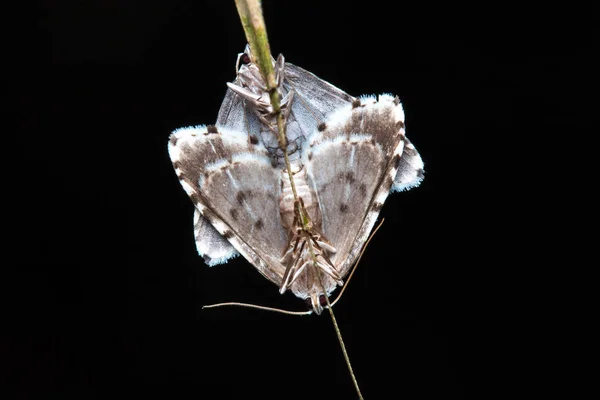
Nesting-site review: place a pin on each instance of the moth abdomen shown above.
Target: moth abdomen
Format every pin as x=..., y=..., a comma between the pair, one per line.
x=304, y=192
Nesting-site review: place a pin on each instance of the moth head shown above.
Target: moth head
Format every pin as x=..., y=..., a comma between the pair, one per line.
x=316, y=303
x=248, y=73
x=245, y=58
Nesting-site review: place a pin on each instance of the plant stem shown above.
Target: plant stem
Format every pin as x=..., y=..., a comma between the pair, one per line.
x=253, y=23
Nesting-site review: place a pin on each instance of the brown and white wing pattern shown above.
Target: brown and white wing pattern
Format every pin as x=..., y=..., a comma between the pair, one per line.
x=235, y=189
x=352, y=162
x=410, y=171
x=213, y=247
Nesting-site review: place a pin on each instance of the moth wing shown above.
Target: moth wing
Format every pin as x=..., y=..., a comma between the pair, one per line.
x=351, y=165
x=319, y=97
x=234, y=186
x=314, y=98
x=410, y=171
x=211, y=246
x=235, y=115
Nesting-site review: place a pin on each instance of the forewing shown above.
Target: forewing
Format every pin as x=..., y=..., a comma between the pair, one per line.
x=352, y=164
x=236, y=115
x=314, y=99
x=235, y=188
x=317, y=96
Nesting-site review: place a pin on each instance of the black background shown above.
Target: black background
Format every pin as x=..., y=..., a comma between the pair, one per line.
x=110, y=292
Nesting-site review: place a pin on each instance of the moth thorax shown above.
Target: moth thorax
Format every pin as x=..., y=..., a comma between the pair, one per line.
x=287, y=201
x=249, y=77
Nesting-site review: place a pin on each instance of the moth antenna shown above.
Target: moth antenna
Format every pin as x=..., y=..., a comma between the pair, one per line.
x=339, y=336
x=279, y=310
x=357, y=261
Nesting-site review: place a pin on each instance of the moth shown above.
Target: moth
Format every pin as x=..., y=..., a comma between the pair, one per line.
x=346, y=155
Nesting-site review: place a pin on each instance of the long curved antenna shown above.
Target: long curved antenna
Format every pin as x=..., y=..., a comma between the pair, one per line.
x=339, y=296
x=279, y=310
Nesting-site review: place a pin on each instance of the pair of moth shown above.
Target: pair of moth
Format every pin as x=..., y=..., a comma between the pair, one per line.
x=346, y=155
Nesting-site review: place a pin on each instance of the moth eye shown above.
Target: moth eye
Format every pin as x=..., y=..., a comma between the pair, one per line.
x=245, y=59
x=322, y=300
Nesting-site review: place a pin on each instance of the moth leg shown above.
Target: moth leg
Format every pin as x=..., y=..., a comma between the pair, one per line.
x=279, y=70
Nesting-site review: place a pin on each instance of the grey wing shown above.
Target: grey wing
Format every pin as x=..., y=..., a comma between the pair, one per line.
x=352, y=165
x=213, y=247
x=410, y=171
x=236, y=115
x=318, y=96
x=233, y=185
x=314, y=98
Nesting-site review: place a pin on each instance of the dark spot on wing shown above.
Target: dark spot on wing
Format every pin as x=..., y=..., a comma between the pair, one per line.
x=363, y=189
x=211, y=129
x=347, y=176
x=322, y=126
x=396, y=161
x=377, y=206
x=356, y=103
x=240, y=197
x=420, y=174
x=310, y=155
x=273, y=162
x=344, y=207
x=234, y=214
x=396, y=100
x=227, y=234
x=253, y=139
x=173, y=140
x=400, y=125
x=259, y=224
x=176, y=164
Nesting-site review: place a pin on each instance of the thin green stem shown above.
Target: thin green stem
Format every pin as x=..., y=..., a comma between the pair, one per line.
x=253, y=23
